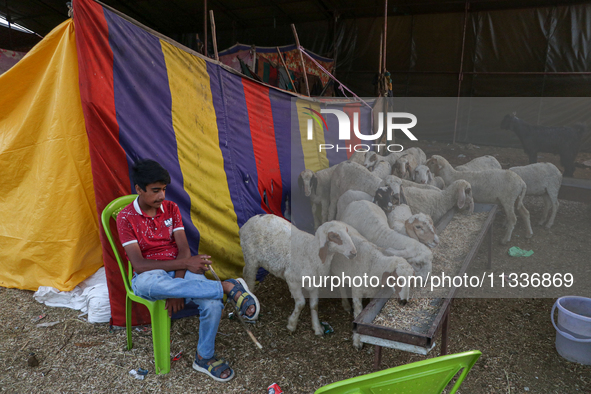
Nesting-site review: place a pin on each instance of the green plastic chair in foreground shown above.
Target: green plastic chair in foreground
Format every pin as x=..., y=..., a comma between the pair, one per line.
x=422, y=377
x=159, y=315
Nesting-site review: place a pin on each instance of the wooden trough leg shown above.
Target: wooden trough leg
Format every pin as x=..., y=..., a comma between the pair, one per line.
x=377, y=357
x=444, y=331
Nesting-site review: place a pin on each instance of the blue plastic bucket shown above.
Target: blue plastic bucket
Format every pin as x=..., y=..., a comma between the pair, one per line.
x=573, y=328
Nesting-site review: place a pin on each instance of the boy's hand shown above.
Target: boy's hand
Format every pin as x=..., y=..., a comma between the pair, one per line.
x=199, y=264
x=173, y=305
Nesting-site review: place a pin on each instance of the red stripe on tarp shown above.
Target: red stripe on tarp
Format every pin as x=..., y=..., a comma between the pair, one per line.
x=350, y=110
x=110, y=172
x=262, y=131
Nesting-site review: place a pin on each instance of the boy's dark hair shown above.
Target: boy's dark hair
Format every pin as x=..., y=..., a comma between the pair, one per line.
x=148, y=171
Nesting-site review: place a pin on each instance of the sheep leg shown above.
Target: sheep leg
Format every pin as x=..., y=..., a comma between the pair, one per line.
x=300, y=302
x=547, y=205
x=318, y=330
x=511, y=219
x=357, y=305
x=324, y=214
x=524, y=213
x=332, y=207
x=249, y=271
x=555, y=204
x=357, y=308
x=345, y=299
x=357, y=341
x=315, y=214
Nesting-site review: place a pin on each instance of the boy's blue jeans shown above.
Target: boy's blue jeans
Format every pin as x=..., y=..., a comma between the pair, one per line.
x=206, y=294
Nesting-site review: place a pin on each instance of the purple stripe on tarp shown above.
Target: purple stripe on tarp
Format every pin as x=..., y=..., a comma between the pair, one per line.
x=301, y=210
x=235, y=142
x=143, y=103
x=281, y=108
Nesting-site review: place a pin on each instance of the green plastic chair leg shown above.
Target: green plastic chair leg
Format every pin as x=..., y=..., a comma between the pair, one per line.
x=161, y=337
x=128, y=304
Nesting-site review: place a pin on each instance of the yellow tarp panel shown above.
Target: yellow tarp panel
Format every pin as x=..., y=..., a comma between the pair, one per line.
x=49, y=234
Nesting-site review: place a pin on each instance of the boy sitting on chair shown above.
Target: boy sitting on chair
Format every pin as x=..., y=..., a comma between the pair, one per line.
x=153, y=236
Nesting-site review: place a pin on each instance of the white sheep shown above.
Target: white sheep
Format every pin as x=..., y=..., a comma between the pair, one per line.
x=371, y=158
x=381, y=169
x=423, y=175
x=384, y=197
x=370, y=262
x=372, y=223
x=418, y=226
x=352, y=176
x=273, y=243
x=436, y=203
x=358, y=157
x=316, y=185
x=410, y=159
x=542, y=179
x=481, y=163
x=491, y=186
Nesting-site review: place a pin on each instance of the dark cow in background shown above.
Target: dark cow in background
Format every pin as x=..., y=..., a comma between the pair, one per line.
x=564, y=141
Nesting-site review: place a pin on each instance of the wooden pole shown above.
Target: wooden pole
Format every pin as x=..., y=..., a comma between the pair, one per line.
x=286, y=69
x=381, y=53
x=461, y=73
x=385, y=32
x=295, y=34
x=238, y=316
x=205, y=27
x=9, y=20
x=213, y=35
x=334, y=45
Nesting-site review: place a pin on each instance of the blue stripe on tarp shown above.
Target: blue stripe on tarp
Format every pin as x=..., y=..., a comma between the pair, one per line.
x=281, y=108
x=235, y=142
x=143, y=108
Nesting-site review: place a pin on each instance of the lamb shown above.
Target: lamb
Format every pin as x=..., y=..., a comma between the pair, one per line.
x=317, y=187
x=542, y=179
x=352, y=176
x=436, y=203
x=481, y=163
x=370, y=261
x=490, y=186
x=406, y=164
x=564, y=141
x=423, y=175
x=384, y=198
x=372, y=223
x=273, y=243
x=418, y=226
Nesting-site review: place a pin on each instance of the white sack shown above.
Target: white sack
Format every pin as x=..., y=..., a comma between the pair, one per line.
x=90, y=296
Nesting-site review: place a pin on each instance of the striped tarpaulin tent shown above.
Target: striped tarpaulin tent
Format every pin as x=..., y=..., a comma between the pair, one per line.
x=226, y=140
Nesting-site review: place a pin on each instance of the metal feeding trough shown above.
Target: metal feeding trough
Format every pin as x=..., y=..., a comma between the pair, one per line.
x=420, y=338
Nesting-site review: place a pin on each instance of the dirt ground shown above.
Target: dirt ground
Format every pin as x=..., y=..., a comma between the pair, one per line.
x=515, y=336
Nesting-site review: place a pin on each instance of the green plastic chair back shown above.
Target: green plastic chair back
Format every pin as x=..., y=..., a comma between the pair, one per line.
x=158, y=315
x=422, y=377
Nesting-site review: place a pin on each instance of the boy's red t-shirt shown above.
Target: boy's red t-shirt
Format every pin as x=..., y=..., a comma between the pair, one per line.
x=153, y=234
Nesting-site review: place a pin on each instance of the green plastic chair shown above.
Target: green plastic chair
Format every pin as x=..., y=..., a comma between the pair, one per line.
x=158, y=315
x=422, y=377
